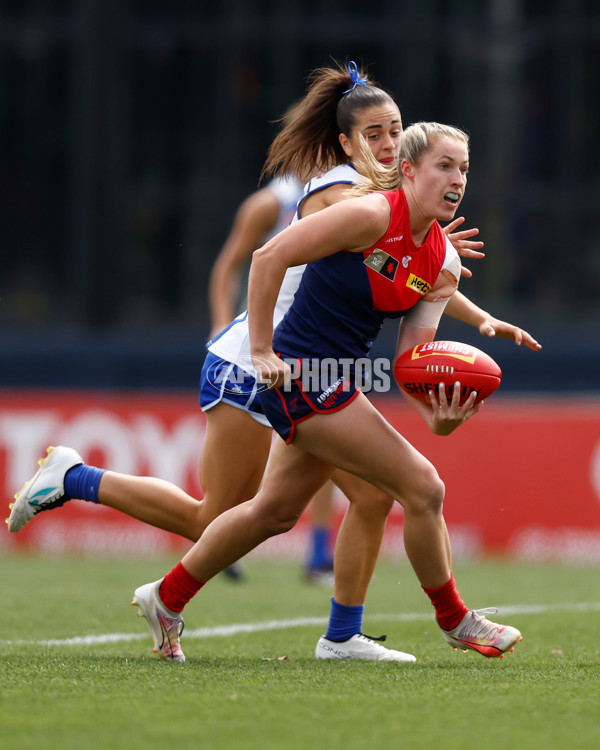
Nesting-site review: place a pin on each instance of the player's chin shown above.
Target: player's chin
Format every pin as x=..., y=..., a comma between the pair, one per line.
x=448, y=209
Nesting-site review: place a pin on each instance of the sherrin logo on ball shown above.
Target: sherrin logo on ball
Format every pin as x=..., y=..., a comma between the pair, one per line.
x=421, y=370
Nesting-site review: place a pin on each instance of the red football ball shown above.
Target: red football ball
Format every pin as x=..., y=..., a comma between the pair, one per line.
x=421, y=370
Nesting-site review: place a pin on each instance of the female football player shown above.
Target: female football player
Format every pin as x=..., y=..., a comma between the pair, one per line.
x=337, y=312
x=363, y=526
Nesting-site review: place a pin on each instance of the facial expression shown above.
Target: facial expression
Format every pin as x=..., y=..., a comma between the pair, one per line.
x=382, y=129
x=439, y=180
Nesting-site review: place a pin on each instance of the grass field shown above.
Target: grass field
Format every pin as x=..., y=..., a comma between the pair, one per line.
x=77, y=669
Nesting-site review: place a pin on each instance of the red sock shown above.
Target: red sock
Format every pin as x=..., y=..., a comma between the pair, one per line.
x=449, y=607
x=178, y=588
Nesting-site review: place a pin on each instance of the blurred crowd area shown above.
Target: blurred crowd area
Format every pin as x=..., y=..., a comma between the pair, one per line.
x=130, y=130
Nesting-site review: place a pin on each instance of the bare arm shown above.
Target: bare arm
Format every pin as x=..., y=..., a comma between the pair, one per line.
x=351, y=225
x=255, y=218
x=325, y=197
x=461, y=308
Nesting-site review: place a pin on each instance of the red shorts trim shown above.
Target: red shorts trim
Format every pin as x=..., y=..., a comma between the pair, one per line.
x=299, y=400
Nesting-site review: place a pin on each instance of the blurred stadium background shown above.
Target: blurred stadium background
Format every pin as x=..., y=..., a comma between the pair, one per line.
x=130, y=130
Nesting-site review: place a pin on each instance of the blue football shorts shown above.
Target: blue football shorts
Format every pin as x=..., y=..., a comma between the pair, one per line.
x=304, y=397
x=223, y=381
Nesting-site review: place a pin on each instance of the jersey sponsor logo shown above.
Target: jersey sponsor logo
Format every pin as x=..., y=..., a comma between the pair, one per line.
x=419, y=285
x=406, y=260
x=395, y=239
x=383, y=263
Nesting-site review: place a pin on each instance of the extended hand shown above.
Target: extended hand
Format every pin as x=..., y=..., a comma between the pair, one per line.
x=464, y=247
x=494, y=327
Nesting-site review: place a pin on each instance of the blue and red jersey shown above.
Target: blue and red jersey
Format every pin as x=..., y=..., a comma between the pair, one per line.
x=338, y=311
x=343, y=299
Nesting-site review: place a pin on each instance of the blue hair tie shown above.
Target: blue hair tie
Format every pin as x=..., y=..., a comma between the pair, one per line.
x=356, y=81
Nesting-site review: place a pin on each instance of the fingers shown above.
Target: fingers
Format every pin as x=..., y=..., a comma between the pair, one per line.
x=440, y=404
x=509, y=331
x=533, y=345
x=272, y=372
x=464, y=235
x=487, y=329
x=456, y=396
x=433, y=401
x=452, y=409
x=448, y=416
x=468, y=249
x=449, y=228
x=470, y=406
x=527, y=340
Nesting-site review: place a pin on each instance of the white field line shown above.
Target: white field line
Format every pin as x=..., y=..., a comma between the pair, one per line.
x=260, y=627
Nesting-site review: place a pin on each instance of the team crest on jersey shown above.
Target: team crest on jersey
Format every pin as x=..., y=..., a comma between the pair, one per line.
x=419, y=285
x=383, y=263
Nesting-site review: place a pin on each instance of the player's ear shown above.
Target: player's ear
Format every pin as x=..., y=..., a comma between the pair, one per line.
x=407, y=168
x=346, y=144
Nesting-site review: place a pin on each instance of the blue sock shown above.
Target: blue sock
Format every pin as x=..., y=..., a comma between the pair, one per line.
x=344, y=621
x=320, y=557
x=81, y=482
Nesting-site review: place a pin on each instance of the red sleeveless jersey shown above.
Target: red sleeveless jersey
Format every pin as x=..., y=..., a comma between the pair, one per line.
x=344, y=298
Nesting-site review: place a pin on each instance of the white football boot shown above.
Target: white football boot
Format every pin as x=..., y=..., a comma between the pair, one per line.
x=359, y=647
x=166, y=626
x=46, y=489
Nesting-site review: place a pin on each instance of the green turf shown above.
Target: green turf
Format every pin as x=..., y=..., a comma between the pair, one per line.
x=228, y=695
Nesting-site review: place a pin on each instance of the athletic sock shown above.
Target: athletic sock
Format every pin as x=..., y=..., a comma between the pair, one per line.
x=344, y=621
x=320, y=556
x=81, y=482
x=449, y=607
x=177, y=588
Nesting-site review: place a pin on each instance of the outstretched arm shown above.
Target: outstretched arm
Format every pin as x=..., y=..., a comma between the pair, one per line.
x=254, y=219
x=351, y=225
x=461, y=308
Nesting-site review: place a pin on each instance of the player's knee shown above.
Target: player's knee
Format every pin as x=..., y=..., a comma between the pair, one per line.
x=279, y=524
x=203, y=517
x=433, y=494
x=275, y=520
x=427, y=494
x=381, y=503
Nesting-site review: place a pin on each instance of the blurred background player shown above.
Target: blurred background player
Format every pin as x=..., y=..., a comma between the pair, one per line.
x=259, y=217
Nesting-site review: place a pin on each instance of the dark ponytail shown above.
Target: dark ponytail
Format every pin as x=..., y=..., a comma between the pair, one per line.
x=308, y=141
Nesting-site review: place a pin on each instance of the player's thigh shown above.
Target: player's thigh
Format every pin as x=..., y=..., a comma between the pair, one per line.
x=292, y=478
x=359, y=440
x=234, y=456
x=362, y=494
